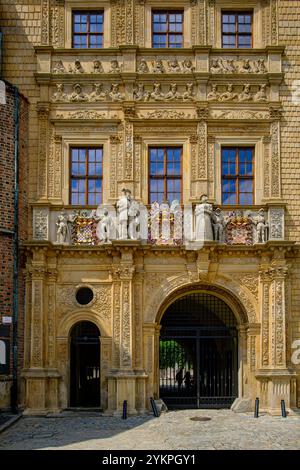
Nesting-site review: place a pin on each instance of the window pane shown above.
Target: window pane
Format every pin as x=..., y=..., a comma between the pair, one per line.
x=244, y=41
x=228, y=198
x=246, y=199
x=228, y=28
x=92, y=155
x=244, y=28
x=246, y=186
x=177, y=155
x=81, y=199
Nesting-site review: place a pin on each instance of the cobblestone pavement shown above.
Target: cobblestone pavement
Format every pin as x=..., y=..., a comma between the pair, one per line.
x=173, y=431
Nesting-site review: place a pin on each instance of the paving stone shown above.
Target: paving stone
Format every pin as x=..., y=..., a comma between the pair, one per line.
x=173, y=431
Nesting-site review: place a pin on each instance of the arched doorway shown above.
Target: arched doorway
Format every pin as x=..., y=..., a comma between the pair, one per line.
x=198, y=353
x=85, y=365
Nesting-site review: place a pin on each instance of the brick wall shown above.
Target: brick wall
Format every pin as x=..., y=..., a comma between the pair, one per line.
x=20, y=23
x=7, y=178
x=289, y=35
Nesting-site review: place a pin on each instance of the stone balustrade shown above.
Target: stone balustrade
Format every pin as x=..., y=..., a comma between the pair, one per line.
x=160, y=225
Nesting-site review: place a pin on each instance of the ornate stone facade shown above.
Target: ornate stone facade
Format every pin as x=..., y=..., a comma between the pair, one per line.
x=126, y=98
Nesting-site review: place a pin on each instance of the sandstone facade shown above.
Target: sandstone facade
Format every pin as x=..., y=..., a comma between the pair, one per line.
x=134, y=283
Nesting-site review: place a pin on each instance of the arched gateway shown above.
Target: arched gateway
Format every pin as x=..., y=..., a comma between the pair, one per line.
x=85, y=365
x=198, y=353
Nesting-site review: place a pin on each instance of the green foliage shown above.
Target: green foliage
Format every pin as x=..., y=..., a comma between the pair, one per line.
x=171, y=354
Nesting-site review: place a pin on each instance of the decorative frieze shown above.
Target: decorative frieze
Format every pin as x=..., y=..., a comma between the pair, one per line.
x=114, y=142
x=43, y=115
x=129, y=21
x=128, y=151
x=276, y=223
x=45, y=22
x=41, y=224
x=239, y=114
x=222, y=65
x=202, y=150
x=165, y=66
x=118, y=17
x=58, y=23
x=244, y=95
x=275, y=159
x=37, y=324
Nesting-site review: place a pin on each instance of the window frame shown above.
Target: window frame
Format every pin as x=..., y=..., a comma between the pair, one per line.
x=237, y=177
x=237, y=34
x=87, y=177
x=176, y=11
x=88, y=33
x=164, y=177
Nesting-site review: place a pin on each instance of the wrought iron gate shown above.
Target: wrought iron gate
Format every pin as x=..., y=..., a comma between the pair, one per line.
x=198, y=353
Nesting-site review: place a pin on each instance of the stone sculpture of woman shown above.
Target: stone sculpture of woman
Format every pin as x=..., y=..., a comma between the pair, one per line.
x=203, y=213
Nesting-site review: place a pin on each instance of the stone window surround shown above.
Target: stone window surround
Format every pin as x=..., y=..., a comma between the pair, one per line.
x=102, y=5
x=71, y=140
x=186, y=156
x=258, y=145
x=236, y=5
x=185, y=5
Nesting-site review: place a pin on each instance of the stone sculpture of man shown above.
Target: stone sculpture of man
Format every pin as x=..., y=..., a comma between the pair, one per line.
x=261, y=226
x=218, y=223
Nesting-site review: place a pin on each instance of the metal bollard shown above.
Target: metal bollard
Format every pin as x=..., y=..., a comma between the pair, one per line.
x=283, y=410
x=124, y=416
x=256, y=408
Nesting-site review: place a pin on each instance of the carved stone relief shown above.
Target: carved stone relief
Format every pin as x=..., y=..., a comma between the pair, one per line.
x=41, y=224
x=222, y=65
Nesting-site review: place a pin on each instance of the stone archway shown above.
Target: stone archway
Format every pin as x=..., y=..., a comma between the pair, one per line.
x=175, y=292
x=85, y=365
x=198, y=353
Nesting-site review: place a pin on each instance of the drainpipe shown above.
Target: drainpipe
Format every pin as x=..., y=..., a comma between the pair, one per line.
x=14, y=389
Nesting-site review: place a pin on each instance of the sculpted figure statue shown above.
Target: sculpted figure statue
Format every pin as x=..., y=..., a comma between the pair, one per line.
x=98, y=68
x=245, y=67
x=261, y=226
x=261, y=68
x=59, y=67
x=157, y=94
x=59, y=94
x=213, y=95
x=229, y=94
x=134, y=220
x=245, y=95
x=187, y=66
x=114, y=93
x=123, y=205
x=173, y=66
x=114, y=66
x=172, y=93
x=104, y=227
x=62, y=231
x=217, y=66
x=143, y=67
x=261, y=95
x=188, y=95
x=78, y=67
x=139, y=93
x=203, y=214
x=158, y=66
x=218, y=223
x=98, y=94
x=78, y=94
